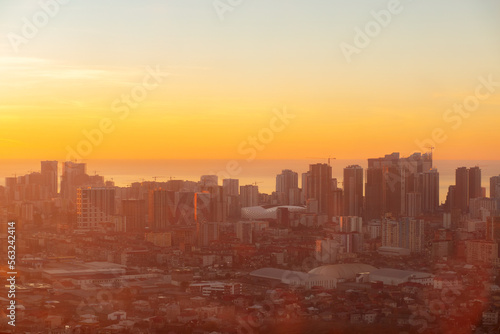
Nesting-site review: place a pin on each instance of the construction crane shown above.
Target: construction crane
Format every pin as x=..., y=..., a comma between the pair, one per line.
x=157, y=177
x=329, y=158
x=256, y=182
x=432, y=150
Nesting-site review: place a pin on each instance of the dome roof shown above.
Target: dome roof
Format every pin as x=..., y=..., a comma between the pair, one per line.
x=283, y=275
x=345, y=270
x=267, y=212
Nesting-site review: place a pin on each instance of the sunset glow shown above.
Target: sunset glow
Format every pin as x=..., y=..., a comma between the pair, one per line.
x=224, y=78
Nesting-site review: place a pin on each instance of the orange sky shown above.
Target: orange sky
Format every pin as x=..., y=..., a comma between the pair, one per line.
x=221, y=80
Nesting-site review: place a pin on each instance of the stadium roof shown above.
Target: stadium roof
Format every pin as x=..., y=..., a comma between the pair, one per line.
x=342, y=271
x=283, y=275
x=267, y=212
x=399, y=274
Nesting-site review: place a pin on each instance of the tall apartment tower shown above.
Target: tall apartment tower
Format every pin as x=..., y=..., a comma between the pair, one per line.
x=306, y=181
x=49, y=177
x=390, y=179
x=462, y=189
x=406, y=233
x=353, y=191
x=94, y=207
x=320, y=186
x=231, y=187
x=73, y=176
x=285, y=182
x=207, y=232
x=475, y=182
x=467, y=187
x=204, y=210
x=209, y=180
x=161, y=211
x=134, y=212
x=249, y=196
x=384, y=182
x=184, y=208
x=430, y=190
x=495, y=187
x=231, y=198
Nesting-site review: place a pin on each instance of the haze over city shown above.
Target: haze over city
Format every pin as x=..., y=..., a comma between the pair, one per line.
x=249, y=166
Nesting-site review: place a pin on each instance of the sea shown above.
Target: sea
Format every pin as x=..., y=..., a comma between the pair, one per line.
x=260, y=172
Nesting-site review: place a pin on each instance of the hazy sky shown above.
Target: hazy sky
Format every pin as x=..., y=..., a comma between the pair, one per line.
x=226, y=76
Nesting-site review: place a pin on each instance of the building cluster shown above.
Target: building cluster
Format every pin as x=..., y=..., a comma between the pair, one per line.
x=373, y=250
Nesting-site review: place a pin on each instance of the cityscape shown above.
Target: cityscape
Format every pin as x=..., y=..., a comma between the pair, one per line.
x=374, y=250
x=249, y=167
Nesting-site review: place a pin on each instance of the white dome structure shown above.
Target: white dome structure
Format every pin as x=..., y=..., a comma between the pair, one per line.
x=267, y=212
x=342, y=271
x=325, y=276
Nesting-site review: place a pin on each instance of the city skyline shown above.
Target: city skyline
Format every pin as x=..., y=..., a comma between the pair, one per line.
x=249, y=166
x=262, y=171
x=287, y=180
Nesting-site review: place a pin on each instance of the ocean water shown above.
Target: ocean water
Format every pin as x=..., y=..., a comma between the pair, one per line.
x=261, y=172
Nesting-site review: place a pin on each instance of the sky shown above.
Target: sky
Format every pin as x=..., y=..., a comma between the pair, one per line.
x=220, y=73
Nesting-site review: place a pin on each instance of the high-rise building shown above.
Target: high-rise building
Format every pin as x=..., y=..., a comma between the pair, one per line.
x=95, y=207
x=161, y=213
x=406, y=233
x=231, y=187
x=430, y=190
x=495, y=187
x=50, y=177
x=174, y=185
x=320, y=187
x=306, y=181
x=283, y=217
x=73, y=176
x=184, y=208
x=375, y=194
x=207, y=232
x=249, y=196
x=475, y=182
x=244, y=231
x=336, y=206
x=481, y=252
x=285, y=182
x=483, y=207
x=11, y=192
x=413, y=204
x=390, y=233
x=384, y=186
x=209, y=180
x=493, y=229
x=391, y=178
x=462, y=189
x=353, y=191
x=134, y=212
x=351, y=224
x=467, y=186
x=203, y=207
x=231, y=199
x=348, y=242
x=416, y=235
x=450, y=204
